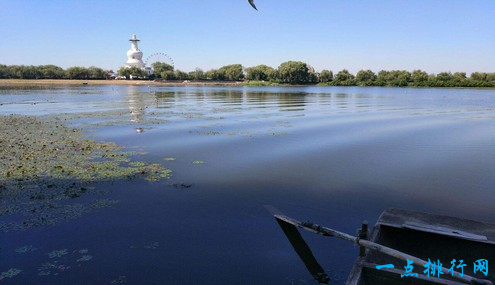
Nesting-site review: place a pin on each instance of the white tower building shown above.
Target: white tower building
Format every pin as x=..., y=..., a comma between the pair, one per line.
x=134, y=55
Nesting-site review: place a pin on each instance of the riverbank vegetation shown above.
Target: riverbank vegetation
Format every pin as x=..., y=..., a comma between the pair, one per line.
x=51, y=72
x=288, y=73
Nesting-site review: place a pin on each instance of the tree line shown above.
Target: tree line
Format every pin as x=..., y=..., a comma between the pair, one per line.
x=290, y=72
x=403, y=78
x=51, y=72
x=300, y=73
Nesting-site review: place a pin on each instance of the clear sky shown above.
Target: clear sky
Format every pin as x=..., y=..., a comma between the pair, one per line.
x=435, y=35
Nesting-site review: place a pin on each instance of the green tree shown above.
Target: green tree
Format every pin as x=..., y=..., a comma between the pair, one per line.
x=481, y=79
x=393, y=78
x=52, y=71
x=312, y=77
x=403, y=78
x=275, y=75
x=490, y=76
x=168, y=75
x=365, y=78
x=215, y=74
x=96, y=73
x=197, y=74
x=260, y=72
x=15, y=71
x=459, y=76
x=480, y=76
x=136, y=72
x=419, y=78
x=325, y=76
x=4, y=71
x=24, y=72
x=77, y=72
x=33, y=72
x=344, y=77
x=232, y=72
x=180, y=75
x=444, y=76
x=159, y=67
x=293, y=72
x=124, y=71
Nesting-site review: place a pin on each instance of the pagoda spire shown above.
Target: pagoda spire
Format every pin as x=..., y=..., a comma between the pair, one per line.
x=134, y=55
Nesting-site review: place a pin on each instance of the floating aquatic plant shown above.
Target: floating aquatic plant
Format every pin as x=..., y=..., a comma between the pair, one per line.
x=85, y=258
x=42, y=162
x=25, y=249
x=48, y=267
x=198, y=162
x=181, y=185
x=66, y=259
x=121, y=280
x=137, y=164
x=57, y=253
x=169, y=158
x=11, y=273
x=103, y=203
x=151, y=245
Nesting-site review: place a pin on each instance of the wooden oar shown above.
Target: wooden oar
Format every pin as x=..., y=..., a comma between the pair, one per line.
x=301, y=247
x=373, y=246
x=304, y=252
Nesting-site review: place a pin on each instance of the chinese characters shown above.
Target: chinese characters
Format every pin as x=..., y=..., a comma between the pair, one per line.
x=435, y=268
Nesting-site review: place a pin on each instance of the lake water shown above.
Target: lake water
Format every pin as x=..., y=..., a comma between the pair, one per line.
x=332, y=155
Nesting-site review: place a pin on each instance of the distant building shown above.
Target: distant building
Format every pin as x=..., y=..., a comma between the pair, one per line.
x=134, y=54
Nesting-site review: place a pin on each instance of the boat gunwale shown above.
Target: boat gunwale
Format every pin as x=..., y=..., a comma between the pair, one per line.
x=401, y=217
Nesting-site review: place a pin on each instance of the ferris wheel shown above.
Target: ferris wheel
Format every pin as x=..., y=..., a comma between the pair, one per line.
x=159, y=57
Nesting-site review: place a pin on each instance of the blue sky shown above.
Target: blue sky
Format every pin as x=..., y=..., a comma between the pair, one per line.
x=435, y=35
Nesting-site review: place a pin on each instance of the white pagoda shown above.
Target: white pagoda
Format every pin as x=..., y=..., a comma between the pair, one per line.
x=134, y=55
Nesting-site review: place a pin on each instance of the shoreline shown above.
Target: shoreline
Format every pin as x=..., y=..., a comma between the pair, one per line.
x=10, y=82
x=47, y=82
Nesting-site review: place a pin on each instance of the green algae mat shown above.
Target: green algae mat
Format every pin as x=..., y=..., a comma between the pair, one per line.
x=45, y=165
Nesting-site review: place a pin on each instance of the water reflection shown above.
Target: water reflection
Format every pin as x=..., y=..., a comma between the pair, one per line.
x=234, y=99
x=138, y=102
x=292, y=102
x=165, y=99
x=137, y=106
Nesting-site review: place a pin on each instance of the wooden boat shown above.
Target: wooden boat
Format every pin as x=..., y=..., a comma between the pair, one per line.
x=401, y=235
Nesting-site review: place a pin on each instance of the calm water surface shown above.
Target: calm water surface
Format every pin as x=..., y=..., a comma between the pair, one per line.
x=336, y=156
